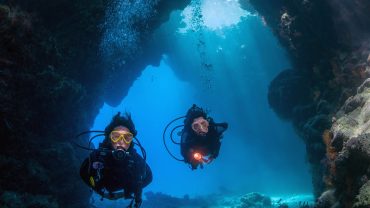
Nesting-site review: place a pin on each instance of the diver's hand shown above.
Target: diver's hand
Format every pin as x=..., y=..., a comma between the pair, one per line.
x=209, y=160
x=138, y=202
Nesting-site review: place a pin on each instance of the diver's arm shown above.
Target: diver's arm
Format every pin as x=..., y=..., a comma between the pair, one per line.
x=139, y=179
x=215, y=143
x=142, y=171
x=145, y=180
x=138, y=199
x=186, y=144
x=215, y=149
x=221, y=127
x=148, y=178
x=91, y=171
x=183, y=144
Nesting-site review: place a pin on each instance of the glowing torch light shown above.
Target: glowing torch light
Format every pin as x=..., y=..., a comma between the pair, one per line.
x=197, y=156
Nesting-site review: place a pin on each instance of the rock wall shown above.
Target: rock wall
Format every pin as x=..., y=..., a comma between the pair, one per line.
x=47, y=96
x=52, y=78
x=328, y=42
x=348, y=151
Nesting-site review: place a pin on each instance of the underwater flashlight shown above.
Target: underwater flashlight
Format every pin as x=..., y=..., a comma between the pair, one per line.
x=198, y=156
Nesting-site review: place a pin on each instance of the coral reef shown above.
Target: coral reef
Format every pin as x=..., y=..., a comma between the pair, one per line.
x=219, y=200
x=363, y=198
x=255, y=200
x=350, y=142
x=164, y=200
x=249, y=200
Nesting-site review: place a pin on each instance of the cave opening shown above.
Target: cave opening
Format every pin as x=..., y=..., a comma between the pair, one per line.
x=292, y=78
x=224, y=63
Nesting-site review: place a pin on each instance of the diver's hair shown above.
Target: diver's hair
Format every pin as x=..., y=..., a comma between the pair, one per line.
x=118, y=120
x=193, y=113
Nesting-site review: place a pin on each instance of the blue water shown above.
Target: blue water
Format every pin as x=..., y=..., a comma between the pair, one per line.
x=259, y=152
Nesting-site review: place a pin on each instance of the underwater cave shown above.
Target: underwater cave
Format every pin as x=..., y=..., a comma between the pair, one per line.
x=290, y=78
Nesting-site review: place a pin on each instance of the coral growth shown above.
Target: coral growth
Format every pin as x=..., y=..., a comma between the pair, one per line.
x=163, y=200
x=255, y=200
x=363, y=198
x=349, y=148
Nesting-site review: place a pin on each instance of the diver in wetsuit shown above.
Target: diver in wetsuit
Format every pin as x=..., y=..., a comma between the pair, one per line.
x=201, y=137
x=116, y=165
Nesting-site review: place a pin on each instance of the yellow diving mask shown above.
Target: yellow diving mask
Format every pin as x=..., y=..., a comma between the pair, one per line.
x=116, y=136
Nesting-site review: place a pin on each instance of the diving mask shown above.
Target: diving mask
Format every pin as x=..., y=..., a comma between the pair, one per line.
x=200, y=126
x=116, y=136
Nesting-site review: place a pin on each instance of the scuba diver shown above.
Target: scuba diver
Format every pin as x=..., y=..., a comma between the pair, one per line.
x=200, y=137
x=115, y=170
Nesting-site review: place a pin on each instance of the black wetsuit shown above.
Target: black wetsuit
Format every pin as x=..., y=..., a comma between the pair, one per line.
x=131, y=174
x=208, y=145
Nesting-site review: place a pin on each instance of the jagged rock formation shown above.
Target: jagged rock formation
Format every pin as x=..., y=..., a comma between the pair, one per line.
x=126, y=45
x=329, y=46
x=51, y=81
